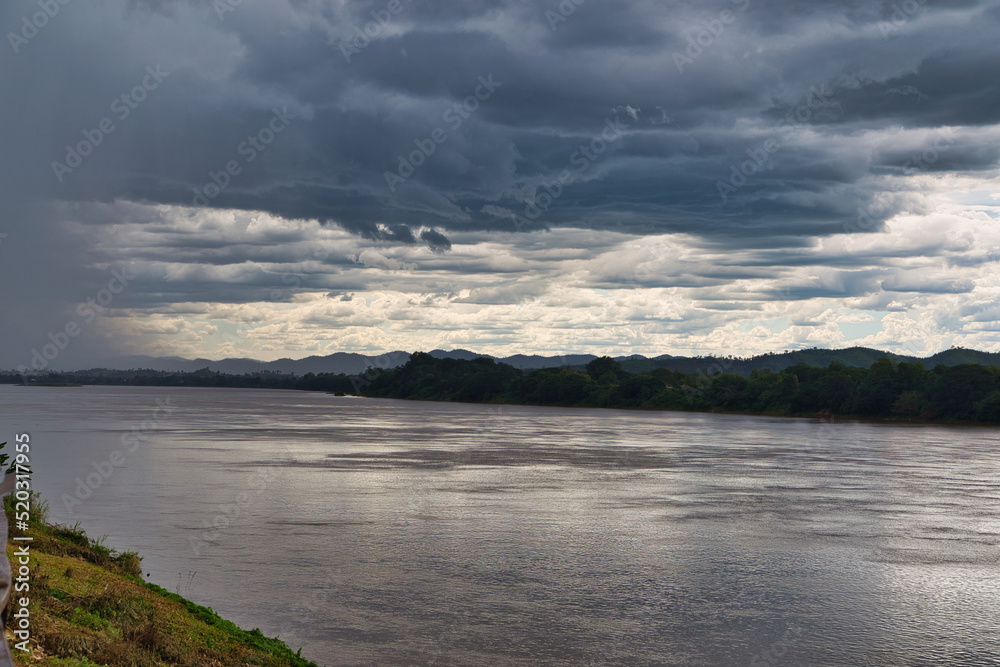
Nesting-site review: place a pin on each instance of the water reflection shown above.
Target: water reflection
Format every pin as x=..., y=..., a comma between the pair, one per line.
x=386, y=532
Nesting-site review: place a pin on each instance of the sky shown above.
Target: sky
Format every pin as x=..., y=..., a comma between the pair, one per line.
x=283, y=178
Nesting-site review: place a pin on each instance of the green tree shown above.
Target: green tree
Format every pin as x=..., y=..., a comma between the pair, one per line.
x=604, y=370
x=987, y=410
x=639, y=389
x=728, y=392
x=879, y=390
x=909, y=404
x=958, y=389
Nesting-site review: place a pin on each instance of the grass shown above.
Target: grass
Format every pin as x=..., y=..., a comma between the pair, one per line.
x=89, y=606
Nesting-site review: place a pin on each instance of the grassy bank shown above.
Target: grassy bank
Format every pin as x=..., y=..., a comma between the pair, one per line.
x=90, y=606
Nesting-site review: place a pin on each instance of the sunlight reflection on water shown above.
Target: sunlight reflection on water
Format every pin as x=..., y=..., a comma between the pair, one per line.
x=390, y=532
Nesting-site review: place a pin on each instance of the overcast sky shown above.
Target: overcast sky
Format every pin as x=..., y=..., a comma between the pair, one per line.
x=292, y=177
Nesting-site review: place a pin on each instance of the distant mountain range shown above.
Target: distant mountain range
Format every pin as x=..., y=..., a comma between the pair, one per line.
x=351, y=363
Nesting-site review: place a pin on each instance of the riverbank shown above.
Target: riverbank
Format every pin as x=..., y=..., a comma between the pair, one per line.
x=900, y=393
x=89, y=605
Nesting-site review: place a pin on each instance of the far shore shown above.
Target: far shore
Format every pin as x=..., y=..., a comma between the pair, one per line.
x=829, y=419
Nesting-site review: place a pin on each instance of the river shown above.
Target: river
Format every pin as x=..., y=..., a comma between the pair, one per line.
x=393, y=532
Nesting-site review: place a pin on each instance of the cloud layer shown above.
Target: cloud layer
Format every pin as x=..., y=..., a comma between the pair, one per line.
x=310, y=176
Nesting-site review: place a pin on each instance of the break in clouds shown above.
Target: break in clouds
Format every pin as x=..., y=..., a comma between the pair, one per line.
x=267, y=179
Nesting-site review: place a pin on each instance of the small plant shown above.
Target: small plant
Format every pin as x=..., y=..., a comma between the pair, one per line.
x=72, y=534
x=120, y=607
x=130, y=563
x=92, y=621
x=39, y=509
x=4, y=457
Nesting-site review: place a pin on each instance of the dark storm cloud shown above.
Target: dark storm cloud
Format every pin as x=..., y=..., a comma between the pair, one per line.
x=560, y=83
x=436, y=240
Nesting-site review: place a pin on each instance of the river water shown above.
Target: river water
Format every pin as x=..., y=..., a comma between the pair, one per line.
x=378, y=532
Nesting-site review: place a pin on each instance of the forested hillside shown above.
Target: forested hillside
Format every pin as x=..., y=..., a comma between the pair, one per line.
x=887, y=389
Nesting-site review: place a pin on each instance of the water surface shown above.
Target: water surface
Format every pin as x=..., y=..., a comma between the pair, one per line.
x=393, y=532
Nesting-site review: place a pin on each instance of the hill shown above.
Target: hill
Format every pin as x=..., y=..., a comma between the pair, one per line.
x=90, y=606
x=852, y=357
x=356, y=364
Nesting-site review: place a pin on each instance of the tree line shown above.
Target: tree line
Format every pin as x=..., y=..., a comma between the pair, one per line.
x=887, y=389
x=330, y=382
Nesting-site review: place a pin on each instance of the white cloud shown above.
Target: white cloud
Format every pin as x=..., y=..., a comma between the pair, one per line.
x=560, y=291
